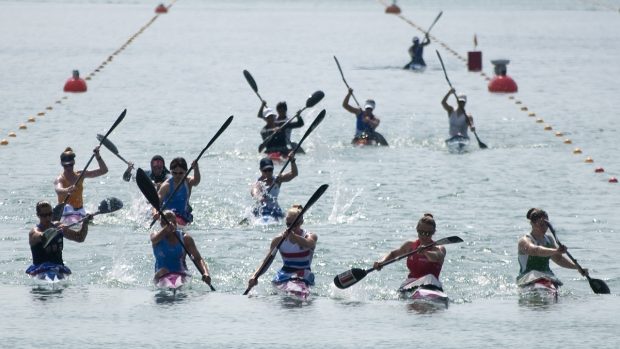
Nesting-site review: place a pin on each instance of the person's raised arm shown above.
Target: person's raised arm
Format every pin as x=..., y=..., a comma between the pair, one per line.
x=103, y=168
x=286, y=177
x=444, y=102
x=195, y=179
x=260, y=110
x=304, y=242
x=347, y=106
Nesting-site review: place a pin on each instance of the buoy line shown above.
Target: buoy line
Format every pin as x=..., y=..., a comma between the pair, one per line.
x=517, y=102
x=107, y=61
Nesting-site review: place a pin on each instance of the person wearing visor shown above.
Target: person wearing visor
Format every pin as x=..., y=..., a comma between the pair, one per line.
x=425, y=266
x=266, y=189
x=66, y=184
x=178, y=200
x=416, y=52
x=279, y=135
x=458, y=119
x=281, y=120
x=366, y=122
x=158, y=172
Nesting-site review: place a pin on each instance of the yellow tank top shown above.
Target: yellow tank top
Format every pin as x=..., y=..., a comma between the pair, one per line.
x=75, y=200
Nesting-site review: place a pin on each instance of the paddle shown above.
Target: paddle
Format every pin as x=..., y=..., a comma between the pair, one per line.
x=217, y=134
x=352, y=276
x=252, y=83
x=148, y=190
x=345, y=82
x=480, y=144
x=57, y=211
x=108, y=205
x=426, y=34
x=310, y=102
x=112, y=148
x=597, y=285
x=267, y=262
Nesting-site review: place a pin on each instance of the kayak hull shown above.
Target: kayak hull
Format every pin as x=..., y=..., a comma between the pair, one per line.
x=49, y=274
x=538, y=285
x=457, y=144
x=172, y=281
x=425, y=293
x=294, y=288
x=369, y=139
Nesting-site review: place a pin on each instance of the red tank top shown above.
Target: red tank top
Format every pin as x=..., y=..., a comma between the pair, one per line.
x=419, y=265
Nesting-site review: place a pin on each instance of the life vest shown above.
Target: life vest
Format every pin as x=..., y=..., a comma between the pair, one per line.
x=170, y=255
x=297, y=262
x=52, y=253
x=270, y=206
x=458, y=124
x=361, y=126
x=76, y=199
x=419, y=265
x=180, y=202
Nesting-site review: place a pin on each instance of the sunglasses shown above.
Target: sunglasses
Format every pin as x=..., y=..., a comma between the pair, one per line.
x=267, y=170
x=47, y=214
x=68, y=165
x=177, y=173
x=426, y=233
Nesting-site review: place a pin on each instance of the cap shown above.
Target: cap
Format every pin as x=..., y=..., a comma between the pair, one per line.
x=268, y=111
x=461, y=98
x=369, y=104
x=266, y=163
x=67, y=158
x=415, y=38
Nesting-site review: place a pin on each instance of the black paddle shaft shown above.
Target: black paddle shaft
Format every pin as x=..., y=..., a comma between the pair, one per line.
x=345, y=82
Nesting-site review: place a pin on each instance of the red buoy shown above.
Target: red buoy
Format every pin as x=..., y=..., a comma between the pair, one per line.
x=599, y=170
x=613, y=180
x=474, y=61
x=161, y=8
x=75, y=84
x=502, y=82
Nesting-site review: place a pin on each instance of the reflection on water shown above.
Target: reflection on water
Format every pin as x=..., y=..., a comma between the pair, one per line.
x=44, y=292
x=170, y=296
x=537, y=300
x=426, y=307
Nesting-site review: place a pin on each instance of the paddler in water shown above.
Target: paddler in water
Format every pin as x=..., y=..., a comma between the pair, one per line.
x=50, y=257
x=267, y=188
x=458, y=119
x=158, y=172
x=366, y=121
x=169, y=253
x=179, y=203
x=279, y=142
x=536, y=249
x=296, y=251
x=416, y=52
x=425, y=266
x=281, y=109
x=65, y=184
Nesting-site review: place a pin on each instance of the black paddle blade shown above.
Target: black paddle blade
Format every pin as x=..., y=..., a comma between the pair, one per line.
x=349, y=278
x=599, y=286
x=118, y=121
x=449, y=240
x=107, y=143
x=147, y=188
x=480, y=144
x=250, y=80
x=314, y=99
x=110, y=205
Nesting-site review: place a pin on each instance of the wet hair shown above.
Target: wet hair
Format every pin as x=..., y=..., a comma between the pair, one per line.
x=42, y=204
x=427, y=218
x=292, y=214
x=281, y=106
x=178, y=162
x=534, y=214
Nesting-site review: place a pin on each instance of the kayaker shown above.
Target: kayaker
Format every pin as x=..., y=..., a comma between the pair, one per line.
x=281, y=109
x=296, y=251
x=416, y=52
x=49, y=257
x=458, y=119
x=425, y=266
x=179, y=203
x=158, y=172
x=367, y=122
x=65, y=184
x=169, y=253
x=536, y=248
x=266, y=189
x=273, y=133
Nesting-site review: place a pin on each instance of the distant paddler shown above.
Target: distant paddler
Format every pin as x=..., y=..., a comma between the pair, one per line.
x=458, y=119
x=158, y=172
x=366, y=122
x=175, y=199
x=266, y=189
x=416, y=52
x=67, y=184
x=169, y=252
x=537, y=248
x=47, y=255
x=276, y=133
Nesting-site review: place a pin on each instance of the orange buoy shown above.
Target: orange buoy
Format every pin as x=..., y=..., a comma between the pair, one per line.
x=502, y=82
x=161, y=8
x=568, y=141
x=540, y=121
x=588, y=160
x=32, y=119
x=576, y=151
x=559, y=134
x=40, y=113
x=548, y=128
x=393, y=9
x=5, y=142
x=12, y=134
x=22, y=126
x=611, y=180
x=75, y=83
x=532, y=114
x=599, y=170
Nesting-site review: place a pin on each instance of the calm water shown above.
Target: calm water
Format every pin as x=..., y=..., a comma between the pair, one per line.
x=182, y=77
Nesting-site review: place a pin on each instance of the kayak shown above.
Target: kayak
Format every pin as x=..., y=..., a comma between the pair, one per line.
x=415, y=67
x=294, y=288
x=457, y=144
x=539, y=285
x=277, y=156
x=425, y=292
x=366, y=139
x=49, y=273
x=172, y=281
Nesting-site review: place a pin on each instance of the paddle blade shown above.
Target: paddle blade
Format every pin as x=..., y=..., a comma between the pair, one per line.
x=314, y=99
x=49, y=235
x=250, y=80
x=118, y=121
x=107, y=143
x=110, y=205
x=147, y=188
x=599, y=286
x=57, y=211
x=480, y=144
x=349, y=278
x=449, y=240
